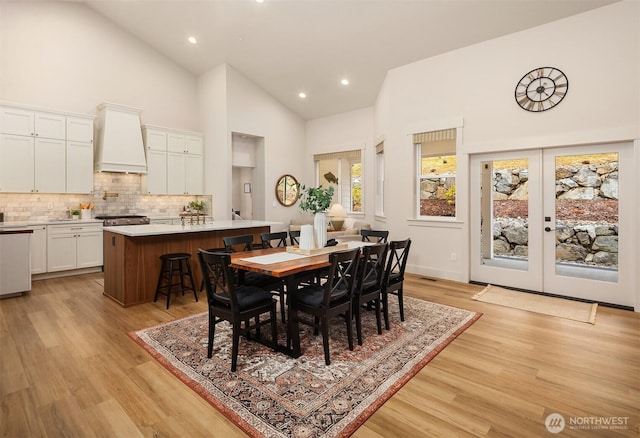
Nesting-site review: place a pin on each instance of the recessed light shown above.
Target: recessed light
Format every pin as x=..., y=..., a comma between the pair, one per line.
x=345, y=81
x=260, y=1
x=192, y=40
x=302, y=95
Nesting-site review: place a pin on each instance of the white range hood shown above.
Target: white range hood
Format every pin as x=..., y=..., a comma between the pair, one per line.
x=119, y=146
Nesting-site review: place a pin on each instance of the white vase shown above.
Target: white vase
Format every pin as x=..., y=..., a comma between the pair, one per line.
x=320, y=229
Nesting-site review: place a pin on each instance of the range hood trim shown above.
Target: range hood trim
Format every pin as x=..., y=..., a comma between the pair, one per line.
x=119, y=145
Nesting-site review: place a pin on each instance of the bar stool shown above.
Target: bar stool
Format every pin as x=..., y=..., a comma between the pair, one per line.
x=175, y=265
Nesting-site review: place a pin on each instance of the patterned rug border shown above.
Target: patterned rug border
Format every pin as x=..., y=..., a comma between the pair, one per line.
x=253, y=432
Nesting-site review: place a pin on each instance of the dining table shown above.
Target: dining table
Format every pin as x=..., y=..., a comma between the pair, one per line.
x=291, y=267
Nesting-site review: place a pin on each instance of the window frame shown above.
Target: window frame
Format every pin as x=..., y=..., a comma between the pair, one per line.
x=418, y=176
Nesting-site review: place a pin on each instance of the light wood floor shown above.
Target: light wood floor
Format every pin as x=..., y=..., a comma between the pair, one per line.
x=68, y=368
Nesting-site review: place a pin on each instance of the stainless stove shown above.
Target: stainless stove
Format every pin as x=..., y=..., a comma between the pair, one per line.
x=123, y=219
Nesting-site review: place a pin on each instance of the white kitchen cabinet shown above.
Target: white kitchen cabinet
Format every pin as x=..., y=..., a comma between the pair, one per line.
x=79, y=167
x=80, y=129
x=185, y=174
x=38, y=249
x=45, y=152
x=194, y=174
x=155, y=181
x=74, y=246
x=19, y=121
x=32, y=165
x=50, y=166
x=175, y=162
x=16, y=163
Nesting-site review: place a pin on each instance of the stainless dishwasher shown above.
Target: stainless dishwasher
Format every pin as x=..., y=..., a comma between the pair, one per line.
x=15, y=262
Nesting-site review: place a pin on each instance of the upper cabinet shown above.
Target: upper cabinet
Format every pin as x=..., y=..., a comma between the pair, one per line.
x=45, y=152
x=175, y=162
x=29, y=123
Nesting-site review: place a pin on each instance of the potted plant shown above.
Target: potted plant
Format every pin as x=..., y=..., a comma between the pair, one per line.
x=197, y=206
x=75, y=214
x=317, y=200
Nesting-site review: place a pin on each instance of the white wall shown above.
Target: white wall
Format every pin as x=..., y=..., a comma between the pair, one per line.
x=63, y=55
x=252, y=111
x=344, y=132
x=599, y=51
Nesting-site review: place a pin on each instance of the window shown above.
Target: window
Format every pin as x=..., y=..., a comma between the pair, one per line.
x=436, y=152
x=380, y=179
x=343, y=170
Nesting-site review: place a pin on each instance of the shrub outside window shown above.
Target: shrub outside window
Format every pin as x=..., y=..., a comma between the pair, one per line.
x=436, y=152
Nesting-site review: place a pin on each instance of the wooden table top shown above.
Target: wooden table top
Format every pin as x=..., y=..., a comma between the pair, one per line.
x=279, y=269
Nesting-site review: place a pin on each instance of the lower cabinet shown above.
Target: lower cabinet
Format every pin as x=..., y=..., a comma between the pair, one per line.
x=74, y=246
x=38, y=249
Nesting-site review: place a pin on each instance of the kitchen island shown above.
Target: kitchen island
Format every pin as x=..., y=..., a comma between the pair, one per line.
x=132, y=253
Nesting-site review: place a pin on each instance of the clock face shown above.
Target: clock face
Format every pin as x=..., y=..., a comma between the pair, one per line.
x=541, y=89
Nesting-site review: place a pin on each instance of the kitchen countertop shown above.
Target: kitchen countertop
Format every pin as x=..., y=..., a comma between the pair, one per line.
x=160, y=229
x=17, y=224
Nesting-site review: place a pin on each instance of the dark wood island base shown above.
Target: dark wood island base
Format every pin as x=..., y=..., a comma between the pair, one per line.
x=132, y=262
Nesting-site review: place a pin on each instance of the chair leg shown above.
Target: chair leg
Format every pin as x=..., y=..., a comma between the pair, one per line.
x=257, y=327
x=378, y=317
x=358, y=312
x=349, y=329
x=385, y=309
x=236, y=344
x=169, y=283
x=325, y=339
x=193, y=283
x=274, y=327
x=212, y=333
x=401, y=303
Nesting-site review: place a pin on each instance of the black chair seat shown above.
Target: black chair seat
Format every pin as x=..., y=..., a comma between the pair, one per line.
x=249, y=296
x=313, y=295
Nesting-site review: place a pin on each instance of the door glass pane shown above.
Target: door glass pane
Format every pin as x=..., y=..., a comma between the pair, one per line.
x=505, y=213
x=586, y=210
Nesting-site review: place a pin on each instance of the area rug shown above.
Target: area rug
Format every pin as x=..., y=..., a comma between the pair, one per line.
x=562, y=308
x=273, y=395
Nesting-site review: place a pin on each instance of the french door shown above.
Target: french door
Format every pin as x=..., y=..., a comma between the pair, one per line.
x=557, y=220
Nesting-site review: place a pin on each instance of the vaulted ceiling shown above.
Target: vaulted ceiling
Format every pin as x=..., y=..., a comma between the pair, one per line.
x=291, y=46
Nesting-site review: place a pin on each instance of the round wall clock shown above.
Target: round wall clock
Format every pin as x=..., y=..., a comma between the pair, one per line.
x=541, y=89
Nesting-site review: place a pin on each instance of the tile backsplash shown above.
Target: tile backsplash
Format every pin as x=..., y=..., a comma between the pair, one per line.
x=129, y=200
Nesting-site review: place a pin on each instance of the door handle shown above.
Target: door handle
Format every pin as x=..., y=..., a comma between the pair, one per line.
x=547, y=229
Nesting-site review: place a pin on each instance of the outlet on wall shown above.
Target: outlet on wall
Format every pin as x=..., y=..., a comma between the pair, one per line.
x=49, y=205
x=454, y=257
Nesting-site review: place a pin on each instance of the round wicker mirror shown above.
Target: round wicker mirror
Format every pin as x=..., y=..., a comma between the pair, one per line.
x=287, y=190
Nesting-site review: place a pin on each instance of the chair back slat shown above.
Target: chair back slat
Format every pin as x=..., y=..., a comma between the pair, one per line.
x=342, y=275
x=238, y=243
x=372, y=266
x=215, y=274
x=397, y=260
x=294, y=237
x=274, y=240
x=377, y=236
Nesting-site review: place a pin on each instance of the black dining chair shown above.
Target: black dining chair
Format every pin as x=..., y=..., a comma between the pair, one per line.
x=239, y=243
x=333, y=298
x=393, y=281
x=234, y=303
x=274, y=240
x=368, y=288
x=294, y=237
x=264, y=281
x=378, y=236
